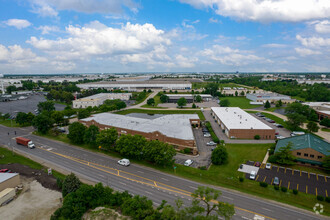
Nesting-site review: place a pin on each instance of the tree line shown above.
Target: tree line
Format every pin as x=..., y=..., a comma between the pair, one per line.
x=78, y=198
x=131, y=146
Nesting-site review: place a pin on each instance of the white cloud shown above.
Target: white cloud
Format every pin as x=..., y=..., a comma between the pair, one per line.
x=241, y=38
x=314, y=41
x=18, y=23
x=214, y=20
x=274, y=45
x=50, y=7
x=17, y=56
x=47, y=29
x=229, y=56
x=306, y=52
x=185, y=62
x=322, y=27
x=267, y=10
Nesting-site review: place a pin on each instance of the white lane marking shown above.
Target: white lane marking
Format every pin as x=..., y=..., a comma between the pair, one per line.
x=267, y=210
x=157, y=204
x=122, y=183
x=164, y=179
x=258, y=217
x=193, y=187
x=140, y=171
x=243, y=217
x=49, y=149
x=227, y=197
x=100, y=175
x=148, y=192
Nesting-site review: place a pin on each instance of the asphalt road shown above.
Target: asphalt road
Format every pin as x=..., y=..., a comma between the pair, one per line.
x=141, y=180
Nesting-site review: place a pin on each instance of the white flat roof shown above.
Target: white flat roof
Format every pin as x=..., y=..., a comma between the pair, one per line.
x=173, y=125
x=325, y=112
x=236, y=118
x=6, y=176
x=190, y=95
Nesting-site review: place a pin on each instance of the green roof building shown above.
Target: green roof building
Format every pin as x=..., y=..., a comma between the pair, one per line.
x=306, y=148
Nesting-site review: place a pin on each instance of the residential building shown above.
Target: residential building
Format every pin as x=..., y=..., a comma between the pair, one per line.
x=237, y=123
x=308, y=149
x=175, y=129
x=98, y=99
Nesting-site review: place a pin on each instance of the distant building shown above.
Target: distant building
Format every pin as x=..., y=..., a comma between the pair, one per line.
x=9, y=180
x=98, y=99
x=173, y=98
x=322, y=108
x=270, y=97
x=237, y=123
x=175, y=129
x=308, y=149
x=312, y=82
x=138, y=85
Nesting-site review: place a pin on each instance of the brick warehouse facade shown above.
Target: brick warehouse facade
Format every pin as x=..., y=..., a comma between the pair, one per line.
x=179, y=144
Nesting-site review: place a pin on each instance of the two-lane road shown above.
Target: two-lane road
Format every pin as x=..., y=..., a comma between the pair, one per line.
x=141, y=180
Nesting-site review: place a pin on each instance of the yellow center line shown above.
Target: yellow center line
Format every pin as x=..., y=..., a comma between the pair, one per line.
x=179, y=191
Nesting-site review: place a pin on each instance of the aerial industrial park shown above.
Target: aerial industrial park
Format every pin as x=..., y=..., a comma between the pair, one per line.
x=165, y=110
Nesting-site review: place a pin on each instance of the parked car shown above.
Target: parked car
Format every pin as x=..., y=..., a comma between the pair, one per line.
x=207, y=135
x=205, y=129
x=257, y=164
x=124, y=162
x=268, y=166
x=5, y=171
x=278, y=137
x=276, y=133
x=211, y=143
x=295, y=133
x=278, y=125
x=253, y=175
x=188, y=162
x=276, y=181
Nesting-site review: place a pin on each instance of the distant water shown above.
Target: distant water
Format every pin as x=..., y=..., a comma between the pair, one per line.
x=146, y=116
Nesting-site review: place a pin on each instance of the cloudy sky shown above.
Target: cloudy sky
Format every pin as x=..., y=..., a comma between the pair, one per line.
x=86, y=36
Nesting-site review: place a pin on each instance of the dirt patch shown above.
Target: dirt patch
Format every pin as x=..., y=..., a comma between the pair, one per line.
x=102, y=213
x=34, y=202
x=47, y=181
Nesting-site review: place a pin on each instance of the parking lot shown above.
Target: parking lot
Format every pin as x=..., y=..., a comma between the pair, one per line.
x=26, y=105
x=281, y=131
x=303, y=181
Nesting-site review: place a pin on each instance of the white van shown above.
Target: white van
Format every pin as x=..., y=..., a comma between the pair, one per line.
x=295, y=133
x=188, y=162
x=253, y=175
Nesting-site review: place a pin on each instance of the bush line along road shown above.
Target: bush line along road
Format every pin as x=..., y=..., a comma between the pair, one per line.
x=141, y=180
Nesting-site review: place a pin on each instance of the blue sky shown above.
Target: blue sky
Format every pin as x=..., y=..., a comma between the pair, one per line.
x=86, y=36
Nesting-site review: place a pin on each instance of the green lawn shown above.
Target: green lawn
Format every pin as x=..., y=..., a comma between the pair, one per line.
x=9, y=123
x=128, y=111
x=240, y=102
x=201, y=85
x=157, y=101
x=273, y=109
x=325, y=129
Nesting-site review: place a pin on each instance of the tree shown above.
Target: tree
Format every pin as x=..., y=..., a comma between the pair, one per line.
x=219, y=155
x=83, y=113
x=71, y=183
x=193, y=105
x=284, y=155
x=77, y=132
x=267, y=105
x=280, y=103
x=295, y=120
x=21, y=118
x=236, y=93
x=91, y=134
x=10, y=89
x=207, y=196
x=224, y=103
x=211, y=88
x=131, y=146
x=43, y=123
x=58, y=117
x=242, y=93
x=164, y=98
x=325, y=122
x=106, y=138
x=46, y=106
x=159, y=153
x=312, y=127
x=326, y=163
x=151, y=101
x=182, y=102
x=138, y=207
x=198, y=98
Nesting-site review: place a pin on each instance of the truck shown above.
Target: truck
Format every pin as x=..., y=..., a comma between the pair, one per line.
x=25, y=142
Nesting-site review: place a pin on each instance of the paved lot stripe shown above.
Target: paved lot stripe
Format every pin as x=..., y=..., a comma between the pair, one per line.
x=308, y=176
x=317, y=177
x=280, y=182
x=292, y=171
x=297, y=186
x=265, y=178
x=325, y=178
x=316, y=191
x=289, y=185
x=306, y=189
x=257, y=178
x=272, y=181
x=300, y=172
x=326, y=193
x=278, y=168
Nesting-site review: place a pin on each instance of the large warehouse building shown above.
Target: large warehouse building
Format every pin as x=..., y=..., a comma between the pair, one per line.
x=237, y=123
x=270, y=97
x=173, y=98
x=175, y=129
x=98, y=99
x=138, y=85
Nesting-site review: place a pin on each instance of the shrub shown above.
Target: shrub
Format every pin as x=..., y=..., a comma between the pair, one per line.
x=193, y=105
x=187, y=150
x=327, y=199
x=213, y=135
x=276, y=187
x=241, y=179
x=295, y=192
x=263, y=184
x=59, y=183
x=320, y=198
x=219, y=155
x=257, y=137
x=203, y=168
x=284, y=189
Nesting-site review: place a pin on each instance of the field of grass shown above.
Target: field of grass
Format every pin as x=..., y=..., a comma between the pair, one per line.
x=325, y=129
x=201, y=85
x=273, y=109
x=240, y=102
x=8, y=123
x=157, y=101
x=128, y=111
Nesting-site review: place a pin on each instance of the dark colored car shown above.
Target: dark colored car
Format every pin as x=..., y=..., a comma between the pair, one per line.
x=257, y=164
x=5, y=171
